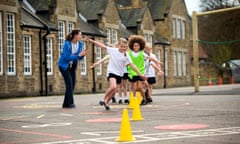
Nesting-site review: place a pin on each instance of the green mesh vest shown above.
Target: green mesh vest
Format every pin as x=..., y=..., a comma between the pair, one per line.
x=138, y=61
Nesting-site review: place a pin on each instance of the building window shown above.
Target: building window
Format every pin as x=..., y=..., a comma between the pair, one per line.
x=174, y=27
x=11, y=54
x=175, y=63
x=179, y=57
x=98, y=57
x=179, y=27
x=148, y=38
x=70, y=27
x=84, y=63
x=184, y=65
x=1, y=54
x=159, y=55
x=166, y=63
x=108, y=36
x=114, y=36
x=183, y=29
x=49, y=56
x=61, y=35
x=27, y=56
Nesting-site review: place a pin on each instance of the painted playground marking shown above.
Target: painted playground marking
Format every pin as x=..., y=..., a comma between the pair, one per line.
x=181, y=127
x=156, y=136
x=47, y=125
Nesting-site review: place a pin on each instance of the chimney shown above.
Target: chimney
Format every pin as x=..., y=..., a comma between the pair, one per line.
x=137, y=3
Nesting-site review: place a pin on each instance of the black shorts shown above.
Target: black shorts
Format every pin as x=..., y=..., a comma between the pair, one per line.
x=136, y=78
x=151, y=80
x=125, y=76
x=118, y=78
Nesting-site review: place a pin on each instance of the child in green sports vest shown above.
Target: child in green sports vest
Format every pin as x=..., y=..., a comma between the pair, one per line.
x=136, y=53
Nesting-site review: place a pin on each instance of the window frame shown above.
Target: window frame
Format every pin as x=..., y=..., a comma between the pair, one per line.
x=83, y=63
x=61, y=35
x=27, y=52
x=11, y=47
x=1, y=45
x=175, y=66
x=108, y=33
x=71, y=26
x=98, y=57
x=49, y=54
x=114, y=36
x=179, y=64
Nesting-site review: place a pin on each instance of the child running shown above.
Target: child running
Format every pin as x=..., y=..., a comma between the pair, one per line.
x=118, y=60
x=150, y=68
x=138, y=57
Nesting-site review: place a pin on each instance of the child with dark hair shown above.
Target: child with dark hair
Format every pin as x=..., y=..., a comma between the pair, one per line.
x=136, y=45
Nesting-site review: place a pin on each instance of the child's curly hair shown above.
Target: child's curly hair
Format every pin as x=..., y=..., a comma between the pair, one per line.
x=137, y=39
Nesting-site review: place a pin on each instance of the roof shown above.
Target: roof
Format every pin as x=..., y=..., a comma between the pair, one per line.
x=30, y=19
x=124, y=32
x=160, y=40
x=130, y=17
x=201, y=53
x=159, y=8
x=89, y=29
x=91, y=8
x=42, y=5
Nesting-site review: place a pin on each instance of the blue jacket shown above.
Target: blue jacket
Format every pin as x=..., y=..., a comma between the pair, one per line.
x=66, y=56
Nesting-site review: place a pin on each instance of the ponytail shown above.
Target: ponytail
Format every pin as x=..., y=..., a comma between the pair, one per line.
x=71, y=35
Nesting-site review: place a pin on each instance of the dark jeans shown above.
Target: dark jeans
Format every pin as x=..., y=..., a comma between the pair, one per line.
x=69, y=76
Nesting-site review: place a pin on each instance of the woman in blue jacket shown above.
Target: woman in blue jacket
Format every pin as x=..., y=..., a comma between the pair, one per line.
x=71, y=53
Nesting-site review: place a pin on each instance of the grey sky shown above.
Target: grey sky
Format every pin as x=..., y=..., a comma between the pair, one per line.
x=192, y=5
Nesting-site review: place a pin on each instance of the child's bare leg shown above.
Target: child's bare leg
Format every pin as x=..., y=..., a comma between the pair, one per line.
x=108, y=99
x=111, y=91
x=150, y=87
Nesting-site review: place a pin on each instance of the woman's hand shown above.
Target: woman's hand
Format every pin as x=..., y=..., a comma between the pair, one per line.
x=83, y=53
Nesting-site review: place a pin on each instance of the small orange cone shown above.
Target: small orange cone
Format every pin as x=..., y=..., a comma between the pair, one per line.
x=232, y=80
x=220, y=80
x=139, y=98
x=136, y=115
x=209, y=81
x=125, y=130
x=131, y=101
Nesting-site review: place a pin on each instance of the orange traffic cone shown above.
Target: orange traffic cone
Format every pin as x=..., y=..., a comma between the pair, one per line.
x=209, y=81
x=220, y=80
x=232, y=80
x=125, y=130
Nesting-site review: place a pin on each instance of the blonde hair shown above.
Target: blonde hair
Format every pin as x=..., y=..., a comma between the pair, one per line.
x=148, y=46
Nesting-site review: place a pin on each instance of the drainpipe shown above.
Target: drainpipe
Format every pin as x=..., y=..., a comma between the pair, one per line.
x=93, y=70
x=164, y=70
x=45, y=61
x=40, y=61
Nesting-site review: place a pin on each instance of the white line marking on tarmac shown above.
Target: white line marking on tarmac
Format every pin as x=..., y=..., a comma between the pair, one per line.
x=159, y=136
x=13, y=117
x=64, y=114
x=106, y=132
x=41, y=116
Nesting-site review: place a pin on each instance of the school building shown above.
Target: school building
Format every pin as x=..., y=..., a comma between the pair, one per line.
x=32, y=33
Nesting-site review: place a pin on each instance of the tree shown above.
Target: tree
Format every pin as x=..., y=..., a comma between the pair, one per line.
x=207, y=5
x=218, y=28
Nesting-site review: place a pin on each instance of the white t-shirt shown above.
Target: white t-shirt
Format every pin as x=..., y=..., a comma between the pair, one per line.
x=149, y=69
x=117, y=61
